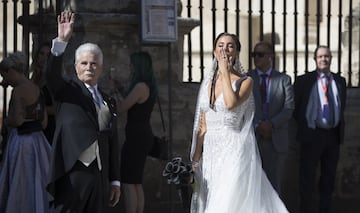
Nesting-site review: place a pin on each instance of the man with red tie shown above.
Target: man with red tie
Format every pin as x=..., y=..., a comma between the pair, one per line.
x=320, y=98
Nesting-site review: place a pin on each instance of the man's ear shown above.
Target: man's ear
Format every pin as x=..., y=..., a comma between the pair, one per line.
x=75, y=68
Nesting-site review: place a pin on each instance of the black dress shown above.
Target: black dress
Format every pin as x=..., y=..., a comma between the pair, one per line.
x=138, y=142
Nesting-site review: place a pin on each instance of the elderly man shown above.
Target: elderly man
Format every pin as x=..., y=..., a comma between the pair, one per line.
x=320, y=98
x=85, y=150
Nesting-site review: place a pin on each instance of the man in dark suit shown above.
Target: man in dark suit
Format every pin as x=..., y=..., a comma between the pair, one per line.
x=85, y=148
x=274, y=103
x=320, y=98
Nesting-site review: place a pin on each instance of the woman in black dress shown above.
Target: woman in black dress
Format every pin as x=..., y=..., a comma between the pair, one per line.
x=139, y=103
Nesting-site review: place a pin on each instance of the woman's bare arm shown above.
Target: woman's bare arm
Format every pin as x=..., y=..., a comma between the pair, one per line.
x=200, y=133
x=139, y=94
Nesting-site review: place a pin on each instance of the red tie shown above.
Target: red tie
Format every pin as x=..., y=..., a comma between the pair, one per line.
x=263, y=88
x=330, y=98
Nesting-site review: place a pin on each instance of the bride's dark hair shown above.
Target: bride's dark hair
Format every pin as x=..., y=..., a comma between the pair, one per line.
x=233, y=36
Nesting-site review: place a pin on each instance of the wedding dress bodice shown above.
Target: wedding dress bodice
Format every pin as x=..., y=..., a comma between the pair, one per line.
x=221, y=117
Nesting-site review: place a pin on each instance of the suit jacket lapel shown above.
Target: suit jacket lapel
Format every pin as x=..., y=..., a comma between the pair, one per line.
x=255, y=77
x=256, y=94
x=109, y=101
x=274, y=84
x=340, y=88
x=311, y=81
x=337, y=82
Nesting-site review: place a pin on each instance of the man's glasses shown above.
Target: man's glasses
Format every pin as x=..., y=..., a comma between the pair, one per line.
x=258, y=54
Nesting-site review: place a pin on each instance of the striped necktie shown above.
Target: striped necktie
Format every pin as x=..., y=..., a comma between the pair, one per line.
x=95, y=96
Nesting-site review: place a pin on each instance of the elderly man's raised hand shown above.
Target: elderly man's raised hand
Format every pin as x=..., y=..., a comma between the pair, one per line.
x=65, y=25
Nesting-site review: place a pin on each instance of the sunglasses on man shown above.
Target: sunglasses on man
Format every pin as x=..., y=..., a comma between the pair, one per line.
x=258, y=54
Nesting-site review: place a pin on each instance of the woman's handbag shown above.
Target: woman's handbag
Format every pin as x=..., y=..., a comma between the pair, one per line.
x=159, y=148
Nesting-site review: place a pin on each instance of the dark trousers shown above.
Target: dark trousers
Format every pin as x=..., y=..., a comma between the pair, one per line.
x=272, y=162
x=80, y=191
x=322, y=146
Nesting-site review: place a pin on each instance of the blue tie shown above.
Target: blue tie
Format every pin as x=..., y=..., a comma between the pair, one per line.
x=95, y=96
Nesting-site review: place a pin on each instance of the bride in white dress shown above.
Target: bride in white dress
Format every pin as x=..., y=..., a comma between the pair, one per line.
x=226, y=163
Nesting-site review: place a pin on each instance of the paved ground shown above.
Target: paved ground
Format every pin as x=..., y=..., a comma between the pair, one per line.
x=341, y=205
x=160, y=198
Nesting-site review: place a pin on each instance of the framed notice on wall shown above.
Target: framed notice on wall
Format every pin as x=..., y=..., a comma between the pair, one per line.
x=158, y=21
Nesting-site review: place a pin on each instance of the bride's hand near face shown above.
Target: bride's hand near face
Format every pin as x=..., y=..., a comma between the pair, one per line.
x=224, y=62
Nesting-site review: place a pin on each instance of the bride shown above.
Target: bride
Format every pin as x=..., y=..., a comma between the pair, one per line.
x=228, y=173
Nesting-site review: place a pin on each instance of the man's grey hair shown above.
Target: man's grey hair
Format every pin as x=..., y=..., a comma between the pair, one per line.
x=89, y=47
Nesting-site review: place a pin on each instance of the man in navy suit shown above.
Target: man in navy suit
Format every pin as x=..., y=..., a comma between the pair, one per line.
x=320, y=98
x=274, y=105
x=85, y=158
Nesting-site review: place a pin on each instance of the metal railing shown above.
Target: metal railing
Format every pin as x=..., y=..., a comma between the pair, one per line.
x=296, y=28
x=325, y=21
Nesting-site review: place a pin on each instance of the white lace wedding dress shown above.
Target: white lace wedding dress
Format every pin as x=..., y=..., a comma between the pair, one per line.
x=230, y=178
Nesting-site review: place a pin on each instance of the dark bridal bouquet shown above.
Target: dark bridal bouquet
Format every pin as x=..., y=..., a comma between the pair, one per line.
x=180, y=174
x=177, y=172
